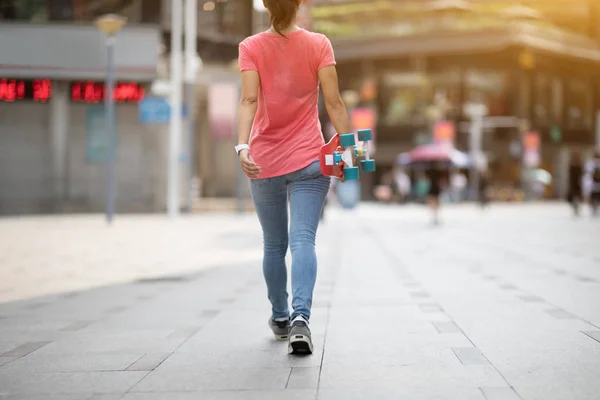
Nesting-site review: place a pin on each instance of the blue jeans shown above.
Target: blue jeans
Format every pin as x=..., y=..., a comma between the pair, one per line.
x=306, y=190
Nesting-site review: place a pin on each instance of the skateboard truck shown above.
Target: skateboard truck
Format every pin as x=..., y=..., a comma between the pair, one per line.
x=343, y=149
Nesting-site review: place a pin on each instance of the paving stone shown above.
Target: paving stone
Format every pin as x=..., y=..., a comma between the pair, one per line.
x=209, y=313
x=37, y=362
x=236, y=357
x=46, y=396
x=116, y=310
x=287, y=394
x=586, y=279
x=559, y=271
x=6, y=360
x=76, y=326
x=420, y=295
x=304, y=378
x=446, y=327
x=469, y=355
x=106, y=396
x=561, y=314
x=594, y=335
x=68, y=382
x=430, y=308
x=134, y=342
x=500, y=393
x=425, y=392
x=184, y=333
x=173, y=380
x=531, y=299
x=354, y=378
x=24, y=349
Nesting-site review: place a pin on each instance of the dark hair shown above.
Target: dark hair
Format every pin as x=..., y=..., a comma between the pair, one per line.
x=282, y=13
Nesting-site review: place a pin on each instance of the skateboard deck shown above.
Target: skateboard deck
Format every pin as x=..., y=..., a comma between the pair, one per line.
x=338, y=157
x=326, y=156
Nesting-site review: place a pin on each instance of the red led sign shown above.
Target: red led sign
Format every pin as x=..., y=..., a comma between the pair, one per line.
x=93, y=92
x=12, y=90
x=40, y=90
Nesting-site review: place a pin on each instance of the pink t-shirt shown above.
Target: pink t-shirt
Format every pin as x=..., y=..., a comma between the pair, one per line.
x=286, y=134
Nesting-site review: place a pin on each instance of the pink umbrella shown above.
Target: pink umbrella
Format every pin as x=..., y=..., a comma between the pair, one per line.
x=432, y=152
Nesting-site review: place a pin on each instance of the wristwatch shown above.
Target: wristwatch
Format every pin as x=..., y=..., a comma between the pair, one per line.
x=241, y=147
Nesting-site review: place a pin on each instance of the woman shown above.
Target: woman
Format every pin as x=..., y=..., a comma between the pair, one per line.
x=280, y=137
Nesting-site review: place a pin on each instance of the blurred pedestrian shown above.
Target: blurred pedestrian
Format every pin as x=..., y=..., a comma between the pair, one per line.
x=403, y=185
x=484, y=184
x=279, y=140
x=436, y=182
x=594, y=173
x=575, y=192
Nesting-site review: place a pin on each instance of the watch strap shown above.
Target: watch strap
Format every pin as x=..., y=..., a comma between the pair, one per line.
x=241, y=147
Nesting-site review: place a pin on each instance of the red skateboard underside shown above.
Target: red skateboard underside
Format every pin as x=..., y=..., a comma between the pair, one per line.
x=329, y=149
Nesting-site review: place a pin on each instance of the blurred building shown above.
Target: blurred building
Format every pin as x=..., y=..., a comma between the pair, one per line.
x=534, y=63
x=52, y=70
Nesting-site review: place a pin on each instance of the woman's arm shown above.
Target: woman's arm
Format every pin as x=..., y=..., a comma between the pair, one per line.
x=333, y=101
x=246, y=113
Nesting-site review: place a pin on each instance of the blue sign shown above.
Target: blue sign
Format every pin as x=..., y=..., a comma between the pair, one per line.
x=97, y=135
x=157, y=110
x=154, y=110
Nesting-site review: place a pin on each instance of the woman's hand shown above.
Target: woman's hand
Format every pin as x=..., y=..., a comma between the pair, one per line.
x=248, y=165
x=338, y=171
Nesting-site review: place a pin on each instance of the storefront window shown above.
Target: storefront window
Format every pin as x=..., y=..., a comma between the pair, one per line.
x=68, y=10
x=420, y=98
x=491, y=88
x=579, y=104
x=227, y=18
x=543, y=100
x=405, y=97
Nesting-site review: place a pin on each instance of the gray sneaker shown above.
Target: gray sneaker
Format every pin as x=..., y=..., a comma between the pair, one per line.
x=281, y=329
x=300, y=337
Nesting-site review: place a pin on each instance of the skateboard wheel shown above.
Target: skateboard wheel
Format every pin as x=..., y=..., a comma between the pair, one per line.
x=351, y=173
x=367, y=165
x=337, y=157
x=365, y=135
x=347, y=140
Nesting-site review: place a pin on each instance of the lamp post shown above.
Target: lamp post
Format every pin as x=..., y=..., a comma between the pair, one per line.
x=175, y=125
x=192, y=66
x=110, y=25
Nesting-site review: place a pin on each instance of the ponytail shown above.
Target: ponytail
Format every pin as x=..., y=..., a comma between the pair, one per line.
x=282, y=13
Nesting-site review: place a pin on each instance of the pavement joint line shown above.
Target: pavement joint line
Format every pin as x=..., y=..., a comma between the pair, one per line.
x=130, y=365
x=287, y=382
x=594, y=335
x=500, y=393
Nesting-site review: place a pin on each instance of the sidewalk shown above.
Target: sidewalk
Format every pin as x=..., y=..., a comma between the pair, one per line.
x=499, y=306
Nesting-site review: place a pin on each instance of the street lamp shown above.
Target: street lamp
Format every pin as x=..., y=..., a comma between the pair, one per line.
x=110, y=25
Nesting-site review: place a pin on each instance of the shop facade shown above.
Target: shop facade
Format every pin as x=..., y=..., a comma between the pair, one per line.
x=52, y=132
x=531, y=80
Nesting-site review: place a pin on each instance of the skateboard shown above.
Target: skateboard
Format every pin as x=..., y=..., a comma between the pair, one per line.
x=338, y=157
